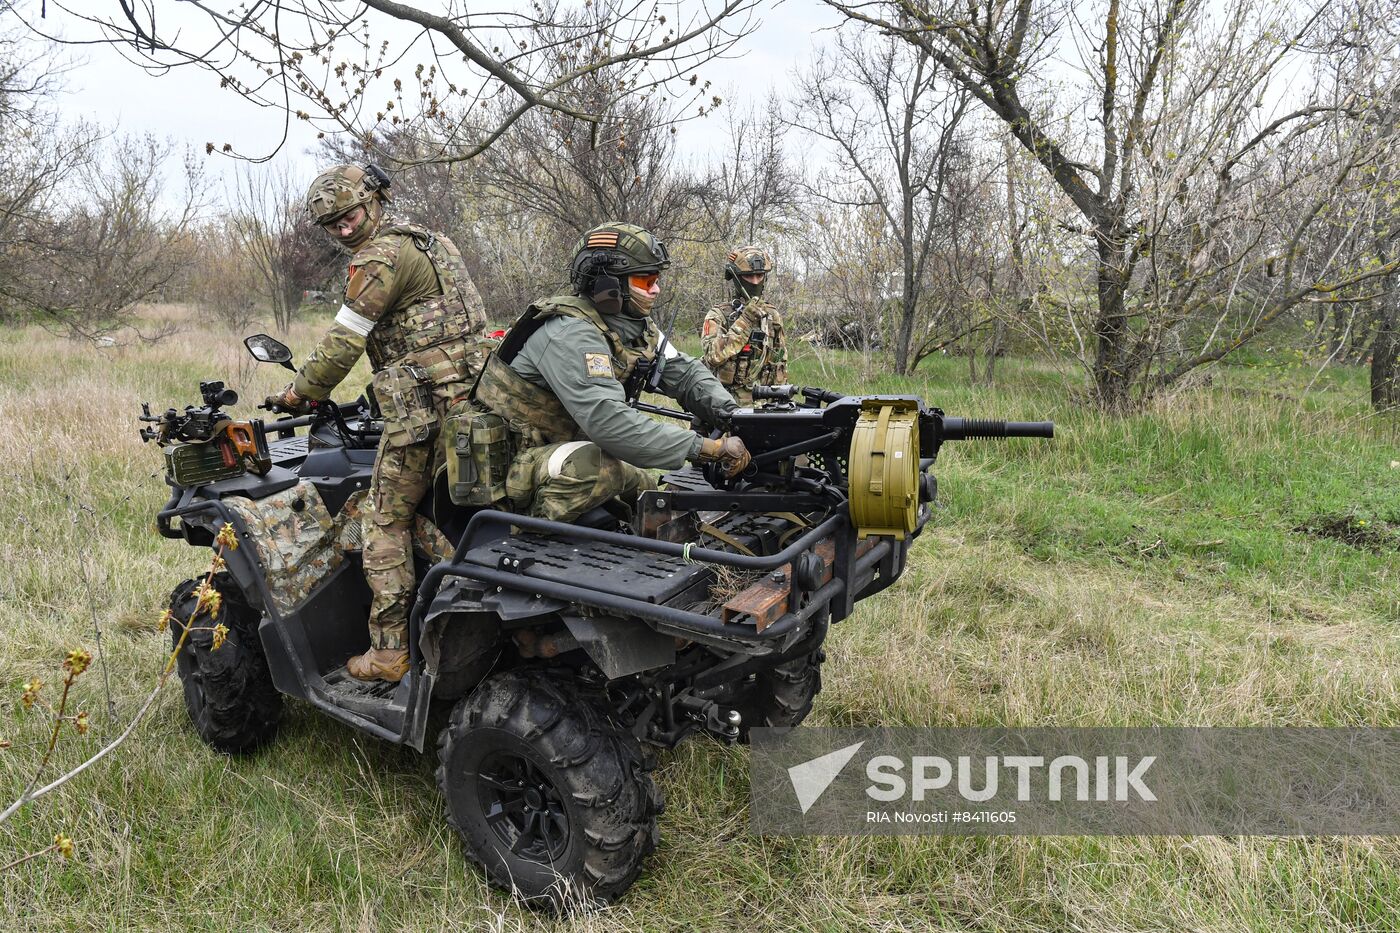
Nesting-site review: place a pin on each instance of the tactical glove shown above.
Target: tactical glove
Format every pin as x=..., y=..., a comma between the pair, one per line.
x=750, y=318
x=287, y=401
x=728, y=452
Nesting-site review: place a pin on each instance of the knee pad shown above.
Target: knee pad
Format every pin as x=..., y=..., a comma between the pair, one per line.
x=576, y=460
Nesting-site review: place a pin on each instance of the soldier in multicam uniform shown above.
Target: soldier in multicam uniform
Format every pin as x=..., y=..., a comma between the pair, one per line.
x=559, y=380
x=743, y=338
x=410, y=303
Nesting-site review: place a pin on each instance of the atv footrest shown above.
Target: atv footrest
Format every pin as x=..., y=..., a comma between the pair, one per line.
x=607, y=568
x=359, y=695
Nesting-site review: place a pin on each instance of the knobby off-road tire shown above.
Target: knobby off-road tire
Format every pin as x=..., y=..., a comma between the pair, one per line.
x=780, y=697
x=550, y=794
x=228, y=692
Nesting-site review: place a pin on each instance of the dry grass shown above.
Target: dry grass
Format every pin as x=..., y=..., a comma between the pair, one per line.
x=1135, y=571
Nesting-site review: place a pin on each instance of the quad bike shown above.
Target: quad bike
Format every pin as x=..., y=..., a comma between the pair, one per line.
x=566, y=649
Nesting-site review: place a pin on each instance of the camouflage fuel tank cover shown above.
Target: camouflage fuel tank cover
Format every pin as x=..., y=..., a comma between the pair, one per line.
x=408, y=297
x=573, y=363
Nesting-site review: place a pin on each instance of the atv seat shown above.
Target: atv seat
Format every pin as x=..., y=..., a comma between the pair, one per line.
x=452, y=520
x=597, y=517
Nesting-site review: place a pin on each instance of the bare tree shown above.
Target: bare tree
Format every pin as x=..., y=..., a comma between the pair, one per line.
x=277, y=240
x=976, y=272
x=849, y=260
x=893, y=120
x=1365, y=60
x=576, y=172
x=366, y=66
x=39, y=159
x=222, y=282
x=755, y=188
x=1166, y=151
x=119, y=237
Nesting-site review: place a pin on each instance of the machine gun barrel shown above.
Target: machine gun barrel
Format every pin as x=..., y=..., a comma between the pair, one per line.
x=962, y=429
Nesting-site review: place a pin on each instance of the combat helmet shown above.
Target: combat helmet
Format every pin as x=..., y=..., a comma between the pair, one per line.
x=747, y=260
x=342, y=188
x=608, y=253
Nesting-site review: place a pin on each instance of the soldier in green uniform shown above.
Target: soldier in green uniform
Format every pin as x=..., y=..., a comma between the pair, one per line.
x=743, y=339
x=559, y=379
x=411, y=305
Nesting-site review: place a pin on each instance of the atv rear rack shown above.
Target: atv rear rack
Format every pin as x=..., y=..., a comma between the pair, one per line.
x=544, y=562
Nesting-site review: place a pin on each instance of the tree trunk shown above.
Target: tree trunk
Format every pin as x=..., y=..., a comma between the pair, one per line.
x=1385, y=354
x=903, y=358
x=1111, y=383
x=993, y=350
x=1338, y=332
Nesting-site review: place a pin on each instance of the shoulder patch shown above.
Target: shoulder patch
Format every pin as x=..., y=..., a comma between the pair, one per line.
x=709, y=327
x=356, y=283
x=598, y=365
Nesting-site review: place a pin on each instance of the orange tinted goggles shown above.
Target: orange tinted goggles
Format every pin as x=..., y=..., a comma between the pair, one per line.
x=644, y=282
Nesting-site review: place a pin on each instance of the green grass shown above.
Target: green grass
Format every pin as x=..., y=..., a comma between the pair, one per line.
x=1139, y=570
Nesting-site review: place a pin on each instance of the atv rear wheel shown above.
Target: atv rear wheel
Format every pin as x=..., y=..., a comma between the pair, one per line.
x=549, y=793
x=228, y=691
x=777, y=698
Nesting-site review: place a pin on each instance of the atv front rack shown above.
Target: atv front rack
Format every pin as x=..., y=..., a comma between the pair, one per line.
x=633, y=576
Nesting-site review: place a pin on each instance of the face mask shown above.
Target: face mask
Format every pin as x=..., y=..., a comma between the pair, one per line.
x=642, y=302
x=361, y=235
x=747, y=291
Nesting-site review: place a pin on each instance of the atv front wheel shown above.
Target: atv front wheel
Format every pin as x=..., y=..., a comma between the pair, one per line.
x=228, y=690
x=549, y=793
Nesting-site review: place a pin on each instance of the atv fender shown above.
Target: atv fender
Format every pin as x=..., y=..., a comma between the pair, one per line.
x=295, y=538
x=621, y=646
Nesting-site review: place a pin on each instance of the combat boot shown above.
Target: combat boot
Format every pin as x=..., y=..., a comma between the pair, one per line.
x=379, y=664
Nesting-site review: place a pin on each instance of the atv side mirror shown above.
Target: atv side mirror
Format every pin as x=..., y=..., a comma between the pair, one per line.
x=267, y=349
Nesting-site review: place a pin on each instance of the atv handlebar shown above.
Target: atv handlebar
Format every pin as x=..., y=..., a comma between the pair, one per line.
x=288, y=423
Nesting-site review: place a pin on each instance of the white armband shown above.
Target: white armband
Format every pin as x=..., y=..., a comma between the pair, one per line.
x=351, y=321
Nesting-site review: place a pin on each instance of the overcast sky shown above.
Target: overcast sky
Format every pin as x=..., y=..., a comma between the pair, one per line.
x=189, y=106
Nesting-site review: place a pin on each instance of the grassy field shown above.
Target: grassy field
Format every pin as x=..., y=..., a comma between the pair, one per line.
x=1229, y=557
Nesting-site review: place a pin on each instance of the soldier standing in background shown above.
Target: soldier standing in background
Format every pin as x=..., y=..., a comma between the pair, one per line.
x=410, y=303
x=560, y=380
x=743, y=338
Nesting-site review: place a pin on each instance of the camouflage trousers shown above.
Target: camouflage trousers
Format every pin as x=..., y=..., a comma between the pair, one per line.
x=402, y=477
x=562, y=481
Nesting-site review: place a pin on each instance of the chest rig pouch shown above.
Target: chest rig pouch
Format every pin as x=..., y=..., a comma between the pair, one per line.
x=479, y=451
x=440, y=320
x=405, y=395
x=751, y=359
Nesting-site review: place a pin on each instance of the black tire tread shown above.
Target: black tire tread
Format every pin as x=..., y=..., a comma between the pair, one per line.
x=602, y=767
x=781, y=697
x=229, y=692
